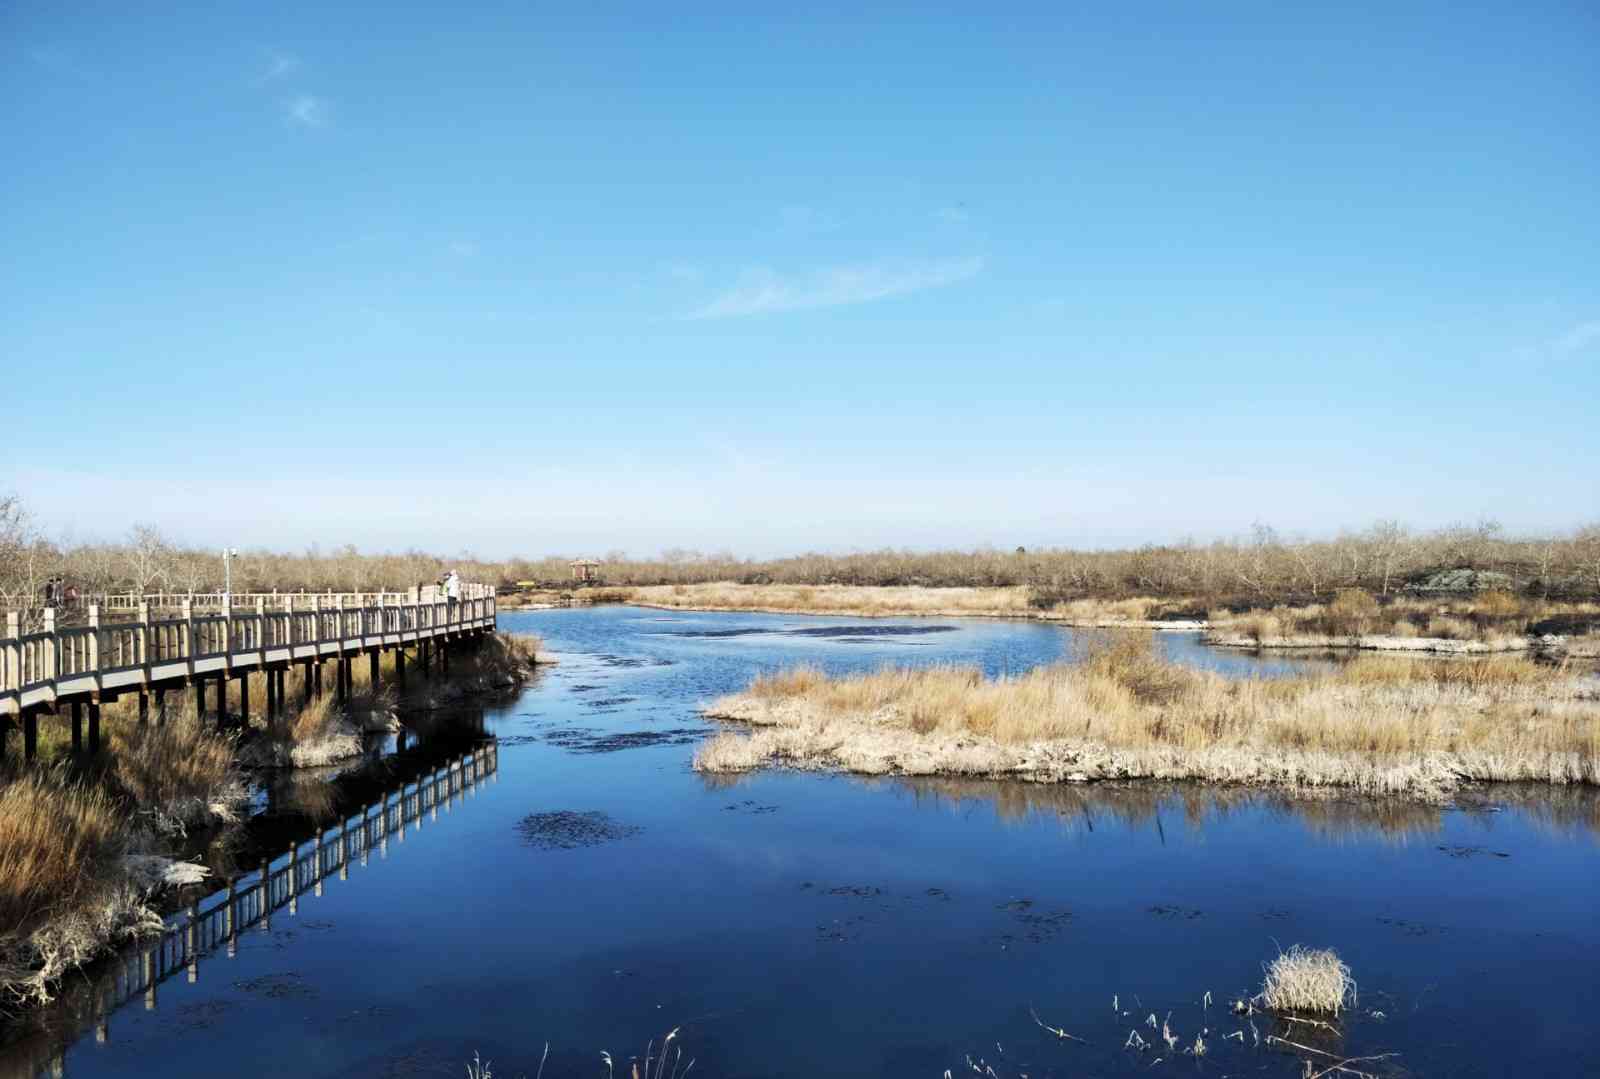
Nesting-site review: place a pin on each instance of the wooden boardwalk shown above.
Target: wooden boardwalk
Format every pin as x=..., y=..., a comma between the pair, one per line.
x=148, y=645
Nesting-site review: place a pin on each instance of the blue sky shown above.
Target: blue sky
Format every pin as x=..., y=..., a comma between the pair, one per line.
x=514, y=279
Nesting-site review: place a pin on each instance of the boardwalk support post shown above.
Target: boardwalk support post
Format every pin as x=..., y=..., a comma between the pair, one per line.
x=94, y=725
x=77, y=727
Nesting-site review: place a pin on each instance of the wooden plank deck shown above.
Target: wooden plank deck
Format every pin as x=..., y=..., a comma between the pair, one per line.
x=169, y=640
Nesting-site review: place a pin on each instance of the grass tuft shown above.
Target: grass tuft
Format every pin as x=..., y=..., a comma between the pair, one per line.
x=1307, y=980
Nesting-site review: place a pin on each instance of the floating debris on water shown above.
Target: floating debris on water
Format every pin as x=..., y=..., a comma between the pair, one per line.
x=565, y=829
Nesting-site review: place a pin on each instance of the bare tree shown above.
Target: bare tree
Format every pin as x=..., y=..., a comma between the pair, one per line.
x=1390, y=544
x=1586, y=552
x=148, y=557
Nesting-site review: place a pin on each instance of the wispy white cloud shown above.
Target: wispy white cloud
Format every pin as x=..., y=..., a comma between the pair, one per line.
x=764, y=292
x=952, y=215
x=463, y=248
x=304, y=110
x=279, y=65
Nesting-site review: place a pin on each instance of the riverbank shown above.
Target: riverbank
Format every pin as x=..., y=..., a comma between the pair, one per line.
x=88, y=847
x=1492, y=622
x=1377, y=725
x=895, y=601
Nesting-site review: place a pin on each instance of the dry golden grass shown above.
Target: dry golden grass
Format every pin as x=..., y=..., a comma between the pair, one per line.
x=58, y=838
x=864, y=601
x=1489, y=620
x=179, y=769
x=319, y=719
x=1306, y=980
x=1378, y=723
x=882, y=601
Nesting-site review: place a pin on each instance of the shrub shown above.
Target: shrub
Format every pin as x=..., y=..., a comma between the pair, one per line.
x=1351, y=613
x=1498, y=604
x=1452, y=629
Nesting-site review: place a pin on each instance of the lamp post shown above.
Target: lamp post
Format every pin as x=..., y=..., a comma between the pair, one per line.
x=228, y=555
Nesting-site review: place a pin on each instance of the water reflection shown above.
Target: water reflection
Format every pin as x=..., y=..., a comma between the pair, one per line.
x=214, y=923
x=1331, y=816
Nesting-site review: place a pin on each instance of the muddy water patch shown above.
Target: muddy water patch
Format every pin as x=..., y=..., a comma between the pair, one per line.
x=873, y=633
x=592, y=740
x=566, y=829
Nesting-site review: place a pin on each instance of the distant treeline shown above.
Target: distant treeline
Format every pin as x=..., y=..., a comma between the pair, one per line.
x=1384, y=559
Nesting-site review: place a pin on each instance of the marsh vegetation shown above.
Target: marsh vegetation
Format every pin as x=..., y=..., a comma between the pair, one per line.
x=1376, y=724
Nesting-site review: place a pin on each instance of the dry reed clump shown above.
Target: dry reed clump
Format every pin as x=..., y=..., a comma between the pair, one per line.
x=316, y=720
x=1451, y=629
x=1379, y=724
x=504, y=656
x=178, y=771
x=1307, y=980
x=57, y=839
x=63, y=893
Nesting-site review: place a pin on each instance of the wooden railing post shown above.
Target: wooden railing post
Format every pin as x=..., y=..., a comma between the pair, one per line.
x=186, y=635
x=261, y=629
x=52, y=651
x=141, y=637
x=13, y=664
x=93, y=657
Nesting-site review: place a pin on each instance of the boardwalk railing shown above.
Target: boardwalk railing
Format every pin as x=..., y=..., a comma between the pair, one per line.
x=218, y=921
x=229, y=637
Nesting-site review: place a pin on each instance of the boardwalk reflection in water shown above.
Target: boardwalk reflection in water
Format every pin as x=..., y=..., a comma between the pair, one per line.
x=215, y=923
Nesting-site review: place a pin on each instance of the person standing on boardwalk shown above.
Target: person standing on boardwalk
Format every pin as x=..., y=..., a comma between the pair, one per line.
x=452, y=587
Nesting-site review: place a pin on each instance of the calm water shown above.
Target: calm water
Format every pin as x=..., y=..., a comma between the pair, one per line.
x=803, y=925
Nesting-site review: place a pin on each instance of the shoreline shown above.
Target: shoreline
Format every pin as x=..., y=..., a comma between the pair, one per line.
x=1552, y=645
x=1254, y=629
x=1009, y=616
x=1379, y=725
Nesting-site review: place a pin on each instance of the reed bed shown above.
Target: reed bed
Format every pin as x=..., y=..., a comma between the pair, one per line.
x=1378, y=724
x=1490, y=621
x=180, y=772
x=63, y=893
x=868, y=601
